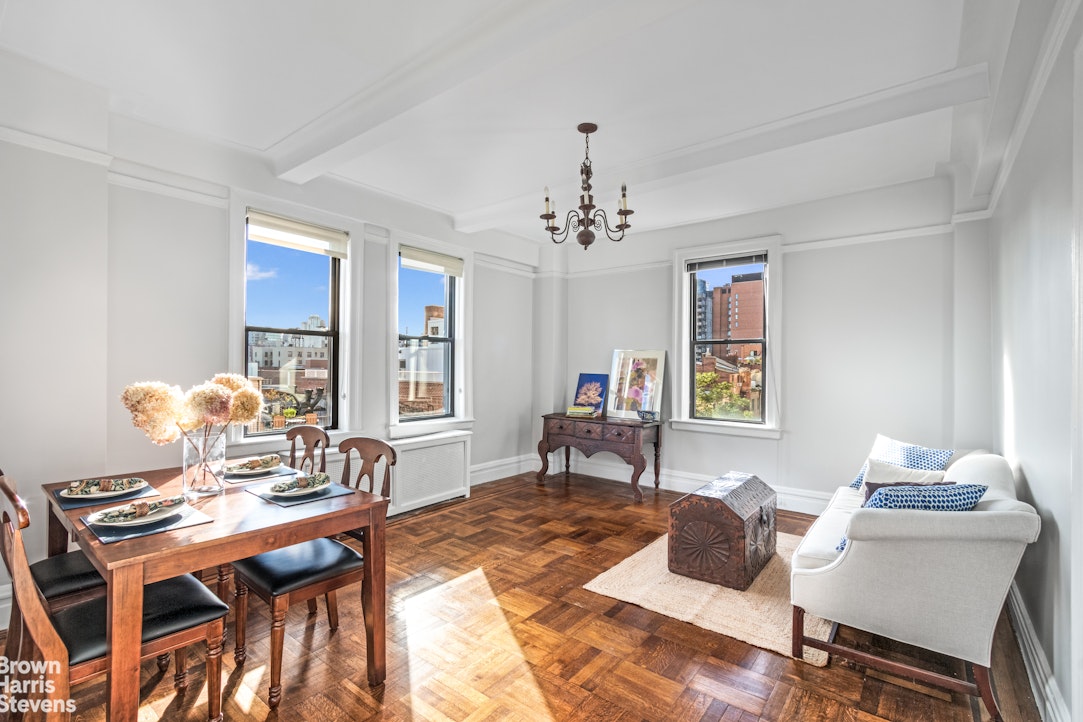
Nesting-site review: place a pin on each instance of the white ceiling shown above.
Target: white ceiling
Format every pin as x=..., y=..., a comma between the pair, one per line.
x=706, y=108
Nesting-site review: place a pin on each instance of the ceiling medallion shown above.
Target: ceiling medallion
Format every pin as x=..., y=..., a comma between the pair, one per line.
x=587, y=217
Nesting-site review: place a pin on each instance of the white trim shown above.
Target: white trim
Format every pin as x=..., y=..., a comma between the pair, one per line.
x=464, y=338
x=791, y=499
x=1043, y=684
x=1052, y=41
x=351, y=309
x=612, y=270
x=682, y=322
x=917, y=232
x=725, y=428
x=502, y=264
x=969, y=216
x=503, y=468
x=56, y=147
x=185, y=191
x=1075, y=479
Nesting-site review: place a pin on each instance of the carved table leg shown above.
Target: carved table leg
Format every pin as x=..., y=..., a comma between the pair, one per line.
x=638, y=465
x=567, y=460
x=657, y=459
x=543, y=452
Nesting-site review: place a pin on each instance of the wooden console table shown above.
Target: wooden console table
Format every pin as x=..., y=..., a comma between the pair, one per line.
x=623, y=437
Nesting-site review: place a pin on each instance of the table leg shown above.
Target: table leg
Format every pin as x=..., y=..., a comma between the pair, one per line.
x=124, y=629
x=638, y=465
x=374, y=597
x=543, y=452
x=58, y=536
x=657, y=459
x=567, y=460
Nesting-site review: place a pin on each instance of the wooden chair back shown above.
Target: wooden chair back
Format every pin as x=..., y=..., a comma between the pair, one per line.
x=314, y=440
x=30, y=622
x=370, y=452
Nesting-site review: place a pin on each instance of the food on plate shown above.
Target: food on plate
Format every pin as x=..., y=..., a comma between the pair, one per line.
x=302, y=481
x=85, y=487
x=138, y=509
x=270, y=461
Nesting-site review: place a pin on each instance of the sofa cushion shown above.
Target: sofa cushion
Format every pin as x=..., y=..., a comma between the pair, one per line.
x=869, y=488
x=953, y=497
x=817, y=548
x=906, y=455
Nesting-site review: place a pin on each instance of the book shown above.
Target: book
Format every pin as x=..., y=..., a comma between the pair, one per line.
x=584, y=411
x=590, y=394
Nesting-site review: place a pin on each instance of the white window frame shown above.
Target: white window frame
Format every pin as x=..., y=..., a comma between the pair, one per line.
x=681, y=418
x=462, y=391
x=351, y=272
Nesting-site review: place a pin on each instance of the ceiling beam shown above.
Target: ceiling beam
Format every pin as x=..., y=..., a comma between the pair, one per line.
x=500, y=43
x=948, y=89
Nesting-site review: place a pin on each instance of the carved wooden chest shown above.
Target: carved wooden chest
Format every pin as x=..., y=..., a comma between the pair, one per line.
x=723, y=532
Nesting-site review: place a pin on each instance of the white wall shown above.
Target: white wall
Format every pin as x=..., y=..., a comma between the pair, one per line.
x=115, y=268
x=1031, y=236
x=868, y=336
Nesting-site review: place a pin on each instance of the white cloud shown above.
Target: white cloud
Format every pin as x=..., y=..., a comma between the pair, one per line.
x=255, y=273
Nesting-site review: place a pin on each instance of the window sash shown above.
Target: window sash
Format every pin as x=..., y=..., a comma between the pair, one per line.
x=280, y=231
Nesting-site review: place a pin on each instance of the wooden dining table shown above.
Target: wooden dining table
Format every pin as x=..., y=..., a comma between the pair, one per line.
x=242, y=525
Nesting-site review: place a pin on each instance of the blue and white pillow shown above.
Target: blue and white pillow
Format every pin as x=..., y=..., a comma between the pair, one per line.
x=950, y=497
x=908, y=456
x=953, y=497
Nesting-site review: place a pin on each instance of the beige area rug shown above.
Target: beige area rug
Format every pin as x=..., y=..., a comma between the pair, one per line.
x=761, y=615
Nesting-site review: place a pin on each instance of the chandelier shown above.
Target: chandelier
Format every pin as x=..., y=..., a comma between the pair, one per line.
x=587, y=217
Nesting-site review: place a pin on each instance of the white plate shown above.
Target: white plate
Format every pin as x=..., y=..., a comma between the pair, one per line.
x=156, y=515
x=257, y=472
x=104, y=494
x=300, y=492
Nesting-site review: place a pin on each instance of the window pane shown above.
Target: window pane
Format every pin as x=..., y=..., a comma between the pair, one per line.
x=729, y=302
x=422, y=302
x=286, y=288
x=293, y=371
x=424, y=390
x=729, y=381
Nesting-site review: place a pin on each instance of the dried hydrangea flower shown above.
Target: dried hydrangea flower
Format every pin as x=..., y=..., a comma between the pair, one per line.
x=233, y=382
x=247, y=405
x=209, y=403
x=155, y=408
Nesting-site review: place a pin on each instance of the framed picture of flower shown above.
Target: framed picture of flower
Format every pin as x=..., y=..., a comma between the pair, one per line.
x=590, y=392
x=636, y=383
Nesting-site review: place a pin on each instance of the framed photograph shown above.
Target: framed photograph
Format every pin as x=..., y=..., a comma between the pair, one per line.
x=590, y=392
x=636, y=383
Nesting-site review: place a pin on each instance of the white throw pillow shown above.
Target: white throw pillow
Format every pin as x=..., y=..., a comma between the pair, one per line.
x=880, y=472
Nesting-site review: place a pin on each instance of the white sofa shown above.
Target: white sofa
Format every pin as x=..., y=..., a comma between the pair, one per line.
x=934, y=579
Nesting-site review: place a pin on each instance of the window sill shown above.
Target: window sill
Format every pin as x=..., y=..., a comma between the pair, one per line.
x=725, y=429
x=424, y=428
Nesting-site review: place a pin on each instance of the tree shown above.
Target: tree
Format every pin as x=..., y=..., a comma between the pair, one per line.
x=716, y=398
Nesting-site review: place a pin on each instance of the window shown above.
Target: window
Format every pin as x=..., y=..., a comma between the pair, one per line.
x=427, y=334
x=291, y=317
x=726, y=379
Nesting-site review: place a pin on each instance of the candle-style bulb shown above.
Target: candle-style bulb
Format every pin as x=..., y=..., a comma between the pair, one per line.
x=547, y=199
x=624, y=196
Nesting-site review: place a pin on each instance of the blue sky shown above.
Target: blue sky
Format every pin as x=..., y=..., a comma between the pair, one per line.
x=286, y=286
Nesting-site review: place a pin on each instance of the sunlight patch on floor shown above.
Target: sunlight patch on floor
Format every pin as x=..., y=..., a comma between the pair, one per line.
x=436, y=641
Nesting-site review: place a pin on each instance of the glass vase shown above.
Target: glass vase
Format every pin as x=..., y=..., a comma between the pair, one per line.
x=204, y=458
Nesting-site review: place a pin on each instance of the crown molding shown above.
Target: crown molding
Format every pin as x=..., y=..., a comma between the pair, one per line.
x=55, y=147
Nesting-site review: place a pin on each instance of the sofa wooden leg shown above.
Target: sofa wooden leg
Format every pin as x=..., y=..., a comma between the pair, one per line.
x=798, y=633
x=985, y=688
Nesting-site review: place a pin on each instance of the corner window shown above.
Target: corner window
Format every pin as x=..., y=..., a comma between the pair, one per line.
x=726, y=376
x=427, y=334
x=291, y=316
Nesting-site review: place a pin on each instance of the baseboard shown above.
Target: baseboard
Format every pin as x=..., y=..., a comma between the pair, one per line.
x=790, y=499
x=1043, y=684
x=503, y=468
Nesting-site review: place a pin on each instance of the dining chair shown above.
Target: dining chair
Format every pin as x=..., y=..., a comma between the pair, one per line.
x=314, y=439
x=177, y=612
x=373, y=454
x=305, y=571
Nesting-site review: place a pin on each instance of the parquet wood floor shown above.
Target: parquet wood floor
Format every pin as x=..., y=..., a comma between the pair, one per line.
x=488, y=621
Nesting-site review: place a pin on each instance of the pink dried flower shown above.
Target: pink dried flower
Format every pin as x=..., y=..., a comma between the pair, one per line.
x=208, y=404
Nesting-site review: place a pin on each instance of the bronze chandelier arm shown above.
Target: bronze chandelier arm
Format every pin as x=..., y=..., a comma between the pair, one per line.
x=571, y=223
x=601, y=223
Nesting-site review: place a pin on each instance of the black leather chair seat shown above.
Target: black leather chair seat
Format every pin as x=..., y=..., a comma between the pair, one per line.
x=282, y=570
x=168, y=606
x=65, y=574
